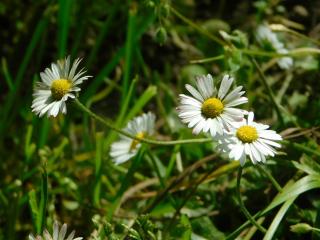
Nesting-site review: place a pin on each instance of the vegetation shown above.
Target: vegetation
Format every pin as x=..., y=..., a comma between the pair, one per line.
x=141, y=54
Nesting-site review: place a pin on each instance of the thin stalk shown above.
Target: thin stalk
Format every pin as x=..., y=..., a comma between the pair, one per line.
x=205, y=60
x=253, y=52
x=294, y=52
x=271, y=178
x=269, y=90
x=242, y=206
x=195, y=26
x=144, y=140
x=301, y=147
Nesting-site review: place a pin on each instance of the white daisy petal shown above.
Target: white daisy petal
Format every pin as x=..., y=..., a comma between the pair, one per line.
x=57, y=85
x=250, y=118
x=233, y=95
x=269, y=134
x=194, y=92
x=56, y=235
x=237, y=102
x=126, y=148
x=247, y=138
x=225, y=86
x=208, y=109
x=242, y=158
x=272, y=143
x=63, y=232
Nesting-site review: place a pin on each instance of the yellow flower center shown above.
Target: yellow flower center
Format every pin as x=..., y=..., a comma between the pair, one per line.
x=59, y=88
x=247, y=134
x=212, y=107
x=135, y=142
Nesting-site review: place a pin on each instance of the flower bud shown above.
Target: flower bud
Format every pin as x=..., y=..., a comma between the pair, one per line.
x=300, y=228
x=161, y=35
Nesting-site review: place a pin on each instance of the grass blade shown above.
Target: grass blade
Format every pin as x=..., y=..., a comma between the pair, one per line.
x=277, y=219
x=98, y=161
x=43, y=202
x=63, y=27
x=129, y=50
x=147, y=95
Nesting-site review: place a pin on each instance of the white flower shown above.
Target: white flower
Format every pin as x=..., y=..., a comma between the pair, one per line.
x=248, y=138
x=57, y=235
x=284, y=62
x=210, y=109
x=58, y=84
x=124, y=149
x=269, y=39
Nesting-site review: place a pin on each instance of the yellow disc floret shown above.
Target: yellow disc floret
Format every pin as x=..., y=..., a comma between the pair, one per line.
x=59, y=88
x=247, y=134
x=135, y=142
x=212, y=107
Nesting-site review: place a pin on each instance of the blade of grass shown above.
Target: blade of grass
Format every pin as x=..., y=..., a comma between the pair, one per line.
x=81, y=30
x=109, y=67
x=123, y=111
x=29, y=147
x=63, y=26
x=43, y=202
x=289, y=191
x=33, y=206
x=6, y=74
x=277, y=219
x=147, y=95
x=44, y=131
x=130, y=40
x=98, y=161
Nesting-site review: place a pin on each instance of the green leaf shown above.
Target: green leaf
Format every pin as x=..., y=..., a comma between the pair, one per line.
x=33, y=205
x=185, y=222
x=277, y=219
x=204, y=227
x=290, y=191
x=302, y=185
x=43, y=202
x=307, y=165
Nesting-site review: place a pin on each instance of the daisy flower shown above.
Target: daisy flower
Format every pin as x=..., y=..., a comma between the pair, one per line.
x=270, y=40
x=58, y=84
x=209, y=109
x=124, y=149
x=248, y=138
x=58, y=234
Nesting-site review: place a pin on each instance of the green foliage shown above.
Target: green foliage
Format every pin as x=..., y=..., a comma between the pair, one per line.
x=141, y=54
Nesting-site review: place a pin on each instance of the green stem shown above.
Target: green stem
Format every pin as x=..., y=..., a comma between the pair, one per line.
x=195, y=26
x=144, y=140
x=252, y=52
x=294, y=52
x=269, y=90
x=301, y=148
x=242, y=206
x=315, y=229
x=211, y=59
x=271, y=178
